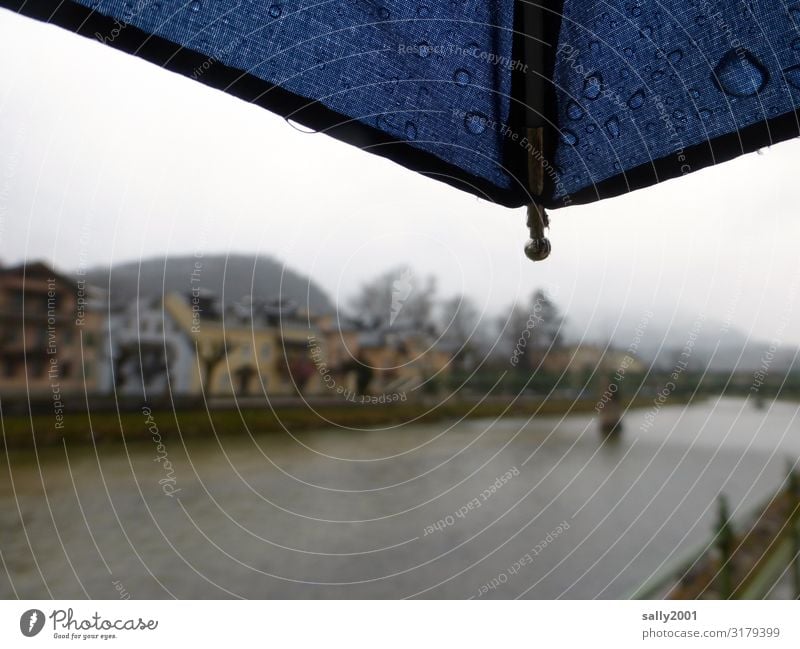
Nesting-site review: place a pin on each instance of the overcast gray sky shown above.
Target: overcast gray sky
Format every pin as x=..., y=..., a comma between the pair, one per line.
x=105, y=158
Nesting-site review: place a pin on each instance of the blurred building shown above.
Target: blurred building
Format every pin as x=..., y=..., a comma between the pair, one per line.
x=581, y=360
x=150, y=353
x=193, y=345
x=387, y=358
x=59, y=336
x=50, y=333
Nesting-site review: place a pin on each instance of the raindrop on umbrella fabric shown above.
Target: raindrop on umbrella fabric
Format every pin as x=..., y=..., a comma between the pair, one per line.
x=636, y=100
x=461, y=77
x=740, y=74
x=593, y=86
x=793, y=75
x=574, y=111
x=675, y=56
x=568, y=137
x=475, y=123
x=612, y=126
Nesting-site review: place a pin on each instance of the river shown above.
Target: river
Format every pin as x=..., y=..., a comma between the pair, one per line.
x=485, y=509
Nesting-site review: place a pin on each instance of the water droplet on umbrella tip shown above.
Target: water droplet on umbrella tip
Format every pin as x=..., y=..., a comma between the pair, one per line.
x=792, y=75
x=424, y=50
x=612, y=126
x=411, y=131
x=423, y=11
x=568, y=137
x=675, y=56
x=461, y=77
x=796, y=44
x=646, y=31
x=275, y=11
x=704, y=114
x=740, y=74
x=636, y=100
x=475, y=123
x=383, y=13
x=657, y=75
x=593, y=86
x=574, y=111
x=195, y=6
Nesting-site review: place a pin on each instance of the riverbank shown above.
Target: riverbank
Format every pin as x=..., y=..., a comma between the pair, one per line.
x=22, y=431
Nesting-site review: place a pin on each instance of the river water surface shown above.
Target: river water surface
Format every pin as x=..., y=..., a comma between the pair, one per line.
x=481, y=508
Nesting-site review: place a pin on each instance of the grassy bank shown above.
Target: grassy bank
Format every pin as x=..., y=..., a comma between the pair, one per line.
x=109, y=427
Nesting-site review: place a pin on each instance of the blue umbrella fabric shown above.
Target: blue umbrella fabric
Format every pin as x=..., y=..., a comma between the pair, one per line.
x=628, y=93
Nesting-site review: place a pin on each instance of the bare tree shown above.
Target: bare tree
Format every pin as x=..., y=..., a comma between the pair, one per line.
x=210, y=355
x=396, y=296
x=460, y=326
x=550, y=321
x=530, y=331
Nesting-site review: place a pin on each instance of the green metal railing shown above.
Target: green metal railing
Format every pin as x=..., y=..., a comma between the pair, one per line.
x=781, y=556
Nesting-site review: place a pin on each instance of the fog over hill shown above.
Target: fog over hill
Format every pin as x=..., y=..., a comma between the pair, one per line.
x=230, y=276
x=715, y=345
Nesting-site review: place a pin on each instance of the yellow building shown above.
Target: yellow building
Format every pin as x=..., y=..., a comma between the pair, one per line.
x=247, y=350
x=583, y=359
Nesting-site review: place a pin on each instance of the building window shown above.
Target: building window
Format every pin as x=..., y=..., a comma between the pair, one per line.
x=36, y=369
x=9, y=368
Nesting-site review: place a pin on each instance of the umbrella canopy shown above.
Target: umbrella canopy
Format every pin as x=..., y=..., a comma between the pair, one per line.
x=622, y=93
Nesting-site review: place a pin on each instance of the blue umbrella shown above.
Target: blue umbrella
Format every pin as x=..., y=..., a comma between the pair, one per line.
x=544, y=105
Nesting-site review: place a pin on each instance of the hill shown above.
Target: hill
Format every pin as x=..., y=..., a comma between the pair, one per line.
x=229, y=276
